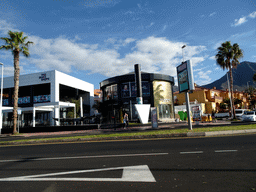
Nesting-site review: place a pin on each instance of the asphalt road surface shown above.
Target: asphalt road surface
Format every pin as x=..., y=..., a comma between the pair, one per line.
x=184, y=164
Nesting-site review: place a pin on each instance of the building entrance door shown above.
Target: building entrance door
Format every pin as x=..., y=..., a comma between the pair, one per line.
x=164, y=111
x=28, y=117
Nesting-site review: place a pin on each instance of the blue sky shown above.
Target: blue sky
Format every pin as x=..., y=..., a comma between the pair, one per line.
x=96, y=39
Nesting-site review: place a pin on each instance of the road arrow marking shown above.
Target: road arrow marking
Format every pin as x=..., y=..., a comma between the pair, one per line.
x=140, y=173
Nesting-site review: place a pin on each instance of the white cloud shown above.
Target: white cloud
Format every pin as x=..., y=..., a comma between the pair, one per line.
x=214, y=13
x=128, y=40
x=244, y=19
x=110, y=40
x=240, y=21
x=151, y=24
x=5, y=27
x=203, y=77
x=155, y=54
x=212, y=58
x=164, y=28
x=253, y=14
x=9, y=70
x=100, y=3
x=200, y=69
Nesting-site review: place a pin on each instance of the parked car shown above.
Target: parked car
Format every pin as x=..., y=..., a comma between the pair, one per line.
x=249, y=116
x=240, y=113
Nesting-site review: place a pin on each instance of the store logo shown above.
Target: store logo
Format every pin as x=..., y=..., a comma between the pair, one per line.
x=43, y=77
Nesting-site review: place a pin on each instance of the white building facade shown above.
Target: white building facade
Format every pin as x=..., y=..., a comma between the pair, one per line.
x=46, y=97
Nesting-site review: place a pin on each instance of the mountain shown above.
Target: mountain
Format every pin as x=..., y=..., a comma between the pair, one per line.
x=241, y=75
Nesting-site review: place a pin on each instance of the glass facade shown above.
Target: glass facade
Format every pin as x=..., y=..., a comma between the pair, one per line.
x=156, y=91
x=129, y=89
x=111, y=92
x=163, y=99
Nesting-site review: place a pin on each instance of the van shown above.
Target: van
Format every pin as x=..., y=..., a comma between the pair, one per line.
x=239, y=113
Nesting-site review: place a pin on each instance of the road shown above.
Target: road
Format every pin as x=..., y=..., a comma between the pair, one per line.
x=184, y=164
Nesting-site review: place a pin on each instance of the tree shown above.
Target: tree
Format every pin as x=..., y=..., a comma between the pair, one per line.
x=16, y=42
x=227, y=58
x=70, y=113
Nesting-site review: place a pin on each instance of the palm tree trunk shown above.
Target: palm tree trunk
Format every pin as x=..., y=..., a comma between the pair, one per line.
x=16, y=90
x=231, y=90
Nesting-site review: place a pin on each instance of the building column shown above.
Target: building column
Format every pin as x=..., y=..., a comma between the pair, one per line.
x=34, y=117
x=57, y=114
x=51, y=118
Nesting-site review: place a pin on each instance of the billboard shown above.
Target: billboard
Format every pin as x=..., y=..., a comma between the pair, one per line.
x=185, y=76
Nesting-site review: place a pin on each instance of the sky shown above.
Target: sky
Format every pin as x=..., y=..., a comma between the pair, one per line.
x=96, y=39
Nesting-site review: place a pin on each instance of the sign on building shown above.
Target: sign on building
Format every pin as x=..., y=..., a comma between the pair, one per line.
x=185, y=76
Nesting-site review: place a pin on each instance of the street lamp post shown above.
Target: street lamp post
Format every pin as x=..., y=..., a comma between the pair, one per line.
x=183, y=52
x=187, y=98
x=1, y=99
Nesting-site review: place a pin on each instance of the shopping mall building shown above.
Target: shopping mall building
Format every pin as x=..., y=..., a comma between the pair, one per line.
x=119, y=95
x=45, y=97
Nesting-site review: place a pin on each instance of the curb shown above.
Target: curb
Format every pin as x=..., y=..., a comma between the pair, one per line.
x=215, y=133
x=188, y=134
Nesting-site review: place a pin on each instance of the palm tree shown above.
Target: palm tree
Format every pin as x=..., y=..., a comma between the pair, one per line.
x=227, y=58
x=16, y=43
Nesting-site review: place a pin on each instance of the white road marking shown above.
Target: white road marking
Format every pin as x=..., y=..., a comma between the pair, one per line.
x=188, y=152
x=224, y=151
x=140, y=173
x=83, y=157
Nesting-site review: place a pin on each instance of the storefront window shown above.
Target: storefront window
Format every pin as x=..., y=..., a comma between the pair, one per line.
x=145, y=89
x=107, y=94
x=111, y=92
x=125, y=90
x=24, y=100
x=133, y=89
x=5, y=102
x=42, y=98
x=114, y=91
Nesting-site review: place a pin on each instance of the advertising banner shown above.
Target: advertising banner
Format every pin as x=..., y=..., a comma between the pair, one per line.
x=154, y=117
x=185, y=76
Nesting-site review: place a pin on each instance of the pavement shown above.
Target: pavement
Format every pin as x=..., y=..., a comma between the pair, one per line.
x=61, y=136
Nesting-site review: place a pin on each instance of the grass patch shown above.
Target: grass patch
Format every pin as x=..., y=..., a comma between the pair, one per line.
x=141, y=133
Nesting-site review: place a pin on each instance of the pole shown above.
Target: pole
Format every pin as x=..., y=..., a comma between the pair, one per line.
x=183, y=52
x=1, y=100
x=137, y=73
x=187, y=98
x=81, y=110
x=188, y=110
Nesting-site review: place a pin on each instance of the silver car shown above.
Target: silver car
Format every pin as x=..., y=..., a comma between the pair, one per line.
x=249, y=116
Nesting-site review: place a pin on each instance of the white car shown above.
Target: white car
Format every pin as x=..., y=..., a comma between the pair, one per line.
x=249, y=116
x=240, y=113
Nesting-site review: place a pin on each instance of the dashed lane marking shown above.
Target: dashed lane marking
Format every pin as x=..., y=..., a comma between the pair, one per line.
x=188, y=152
x=224, y=151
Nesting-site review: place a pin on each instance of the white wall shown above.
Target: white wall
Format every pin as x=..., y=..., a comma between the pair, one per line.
x=55, y=78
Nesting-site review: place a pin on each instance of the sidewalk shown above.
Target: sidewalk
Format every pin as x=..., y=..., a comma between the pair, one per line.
x=144, y=128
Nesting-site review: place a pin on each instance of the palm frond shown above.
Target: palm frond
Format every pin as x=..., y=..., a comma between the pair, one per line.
x=26, y=53
x=6, y=47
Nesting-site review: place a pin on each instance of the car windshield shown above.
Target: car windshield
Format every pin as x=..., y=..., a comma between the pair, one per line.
x=239, y=112
x=249, y=112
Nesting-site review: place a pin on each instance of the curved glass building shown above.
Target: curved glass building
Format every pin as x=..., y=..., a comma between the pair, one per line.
x=119, y=95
